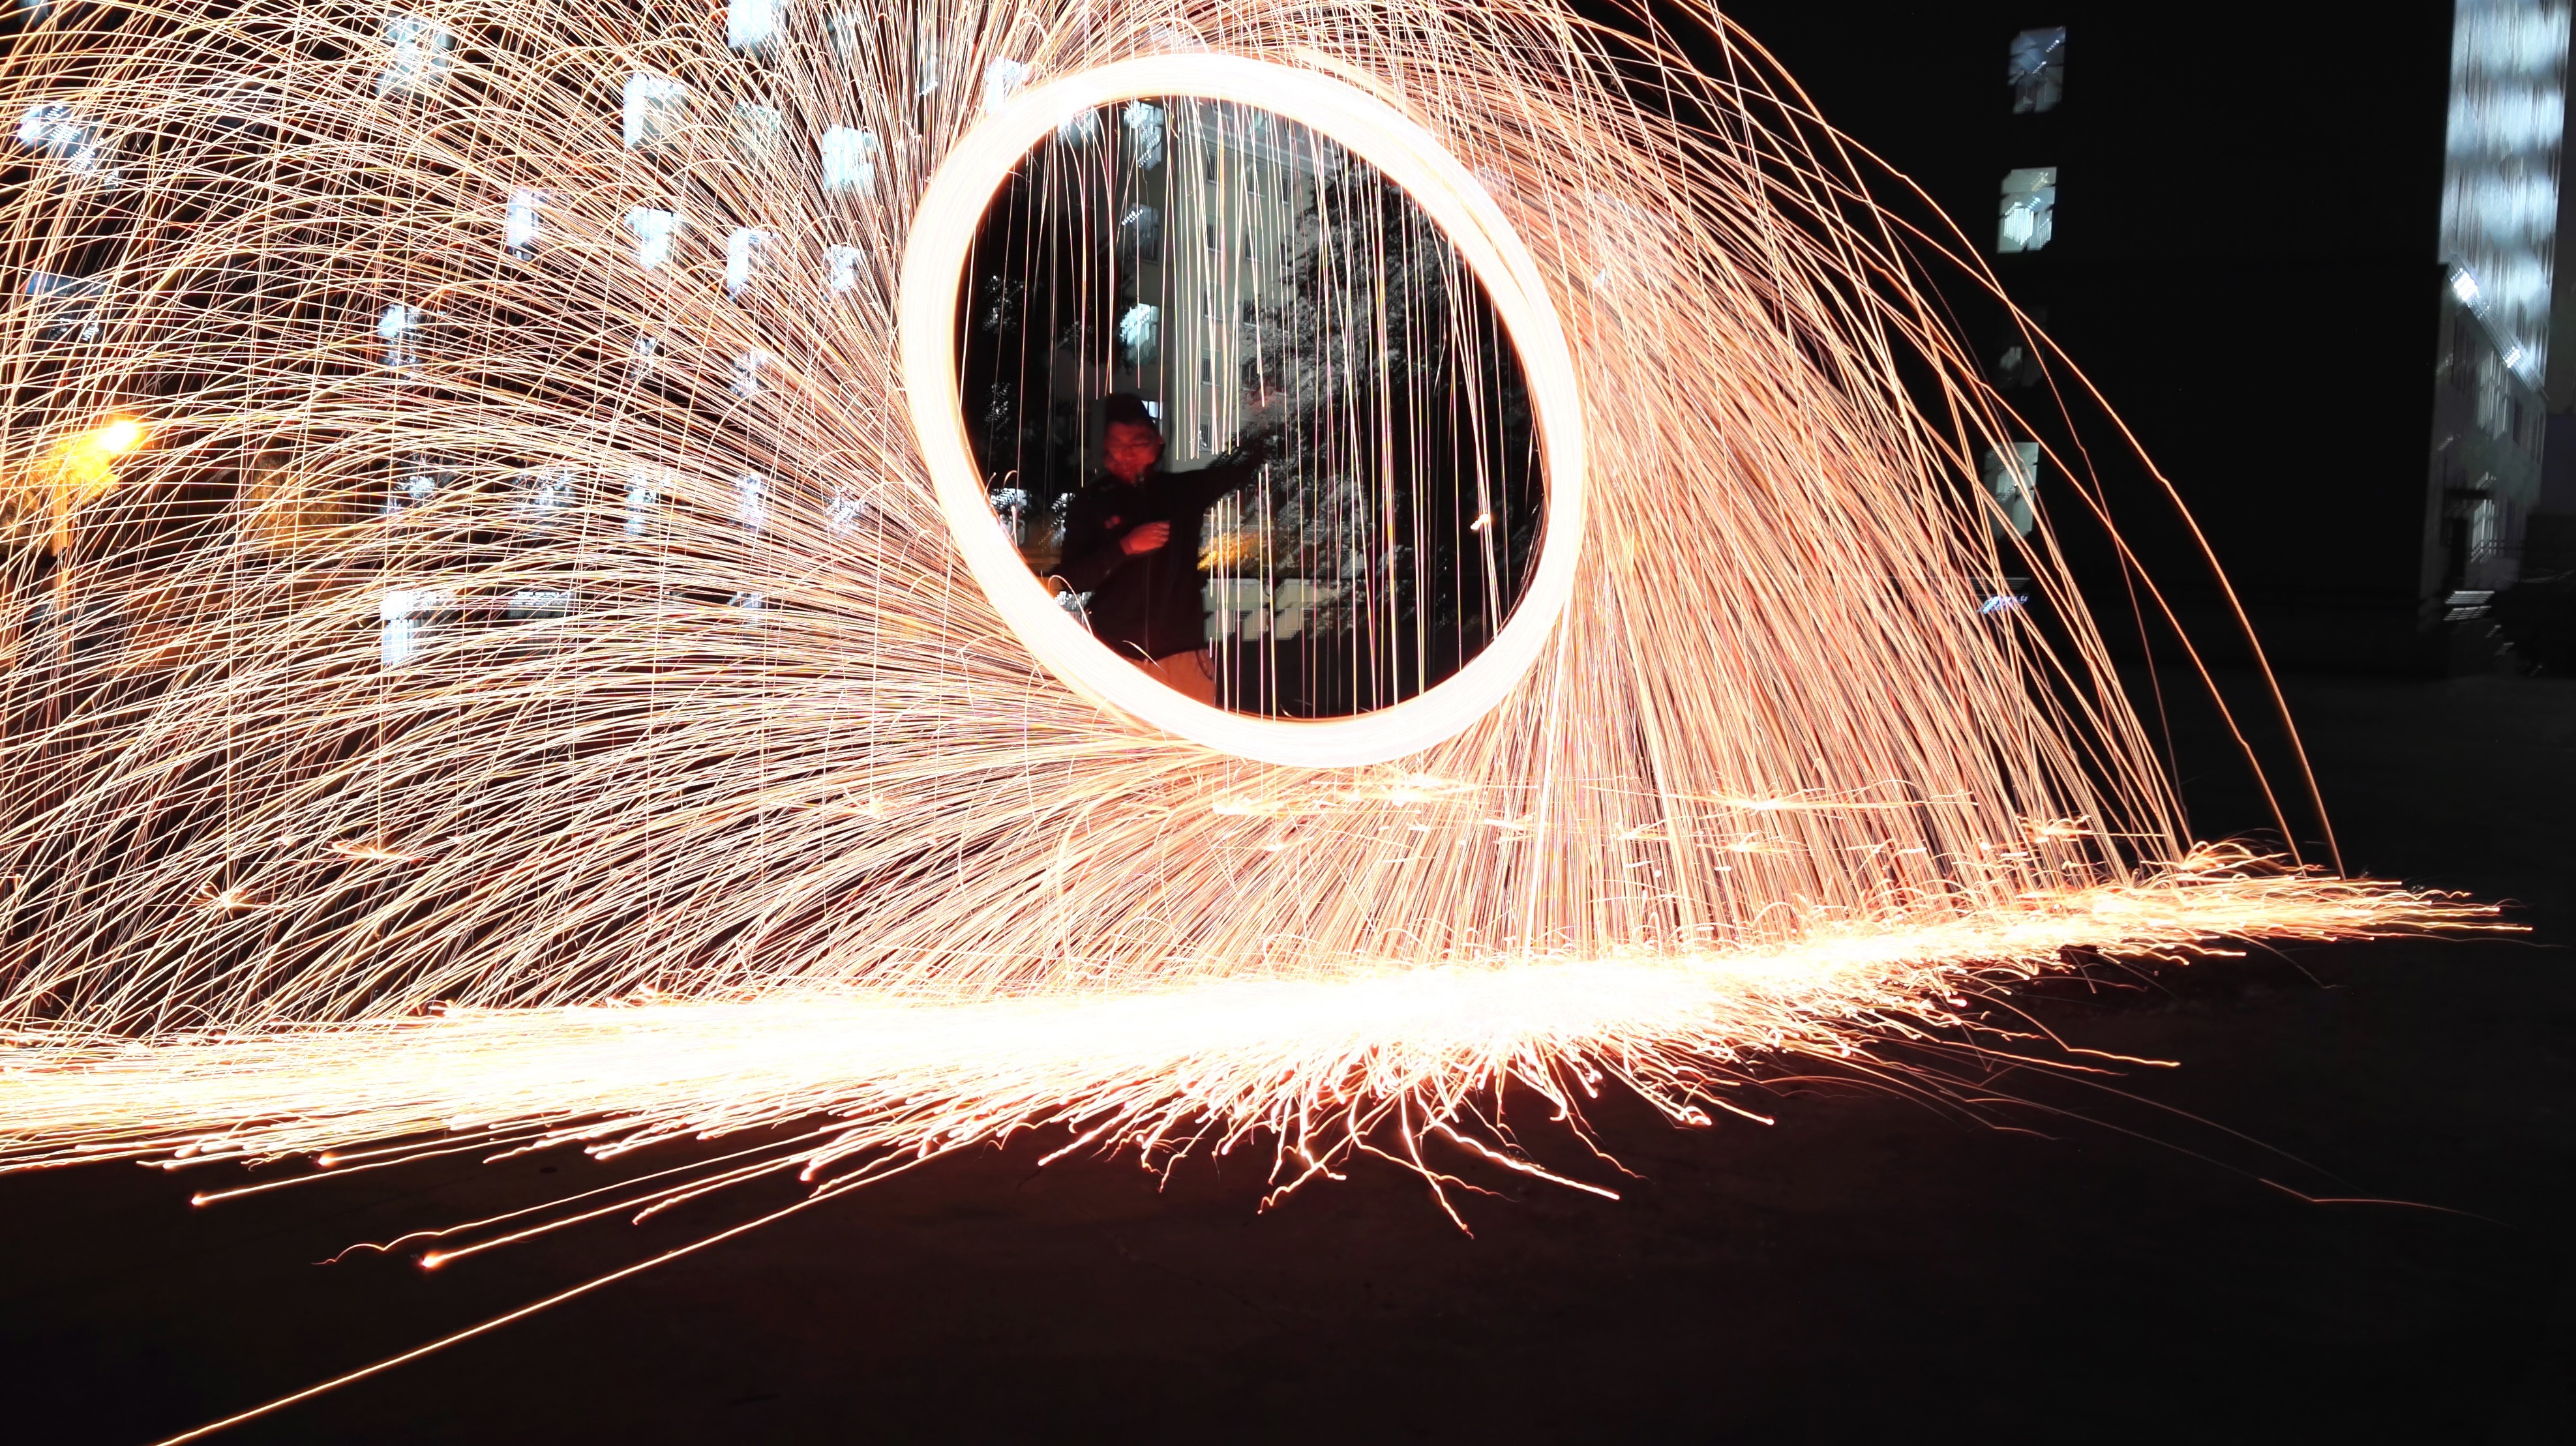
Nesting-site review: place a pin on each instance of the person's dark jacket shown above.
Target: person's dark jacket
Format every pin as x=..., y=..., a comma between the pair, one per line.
x=1153, y=604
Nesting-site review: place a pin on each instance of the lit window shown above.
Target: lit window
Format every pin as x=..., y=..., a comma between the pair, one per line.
x=405, y=618
x=1081, y=130
x=2010, y=477
x=746, y=373
x=845, y=509
x=850, y=35
x=1140, y=331
x=67, y=305
x=416, y=484
x=2465, y=605
x=1003, y=79
x=546, y=493
x=751, y=501
x=398, y=327
x=1142, y=230
x=840, y=269
x=1011, y=509
x=653, y=232
x=2486, y=532
x=850, y=160
x=653, y=109
x=642, y=493
x=537, y=604
x=1144, y=135
x=2037, y=69
x=756, y=128
x=2028, y=210
x=519, y=225
x=1003, y=297
x=2018, y=367
x=417, y=55
x=55, y=130
x=929, y=51
x=751, y=24
x=743, y=250
x=2501, y=170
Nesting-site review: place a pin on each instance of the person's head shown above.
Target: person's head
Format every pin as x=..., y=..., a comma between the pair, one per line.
x=1132, y=443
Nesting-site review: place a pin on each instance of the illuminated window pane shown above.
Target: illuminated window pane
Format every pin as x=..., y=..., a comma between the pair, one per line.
x=537, y=604
x=850, y=160
x=655, y=106
x=1141, y=231
x=67, y=307
x=53, y=128
x=2010, y=476
x=1140, y=331
x=417, y=481
x=840, y=269
x=750, y=25
x=756, y=128
x=2501, y=170
x=399, y=328
x=1144, y=135
x=416, y=55
x=2037, y=69
x=519, y=224
x=1003, y=79
x=653, y=231
x=643, y=492
x=2018, y=366
x=545, y=493
x=2028, y=210
x=743, y=252
x=403, y=629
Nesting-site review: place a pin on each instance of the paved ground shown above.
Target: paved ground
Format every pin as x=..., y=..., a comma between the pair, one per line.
x=1865, y=1271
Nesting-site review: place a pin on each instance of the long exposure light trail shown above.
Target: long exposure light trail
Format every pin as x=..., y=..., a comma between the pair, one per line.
x=1316, y=1064
x=943, y=235
x=488, y=657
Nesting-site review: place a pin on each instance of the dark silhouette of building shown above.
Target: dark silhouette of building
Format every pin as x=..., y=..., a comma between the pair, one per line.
x=2234, y=220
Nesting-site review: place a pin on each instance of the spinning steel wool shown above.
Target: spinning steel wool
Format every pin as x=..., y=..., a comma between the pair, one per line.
x=508, y=641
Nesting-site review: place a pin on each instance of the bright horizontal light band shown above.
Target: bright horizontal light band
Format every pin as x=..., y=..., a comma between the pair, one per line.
x=952, y=210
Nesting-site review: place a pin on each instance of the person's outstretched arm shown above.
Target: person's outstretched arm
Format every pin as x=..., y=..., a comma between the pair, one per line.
x=1236, y=469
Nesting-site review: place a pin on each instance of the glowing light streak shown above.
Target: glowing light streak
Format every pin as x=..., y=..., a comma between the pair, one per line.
x=1319, y=1063
x=658, y=867
x=943, y=231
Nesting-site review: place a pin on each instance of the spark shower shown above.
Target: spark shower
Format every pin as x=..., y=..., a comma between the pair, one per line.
x=506, y=646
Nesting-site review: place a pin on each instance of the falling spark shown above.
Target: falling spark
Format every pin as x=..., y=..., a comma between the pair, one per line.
x=859, y=857
x=373, y=851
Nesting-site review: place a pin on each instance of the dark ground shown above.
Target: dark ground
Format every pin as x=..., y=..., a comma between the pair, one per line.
x=1866, y=1271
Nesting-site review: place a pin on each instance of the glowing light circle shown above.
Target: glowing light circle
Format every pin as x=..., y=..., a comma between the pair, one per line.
x=943, y=232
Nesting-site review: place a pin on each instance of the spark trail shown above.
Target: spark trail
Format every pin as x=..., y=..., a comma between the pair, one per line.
x=485, y=663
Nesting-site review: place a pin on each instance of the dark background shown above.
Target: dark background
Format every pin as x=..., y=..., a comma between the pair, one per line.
x=2244, y=263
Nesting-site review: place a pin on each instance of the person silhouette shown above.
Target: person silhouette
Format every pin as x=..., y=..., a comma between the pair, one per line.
x=1132, y=539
